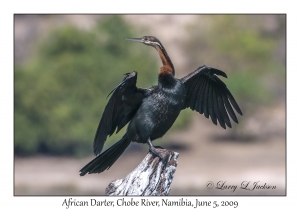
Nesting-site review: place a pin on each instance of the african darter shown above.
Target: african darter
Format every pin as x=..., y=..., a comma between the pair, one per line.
x=151, y=112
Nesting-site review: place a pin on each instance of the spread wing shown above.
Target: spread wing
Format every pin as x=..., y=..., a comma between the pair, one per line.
x=207, y=94
x=122, y=105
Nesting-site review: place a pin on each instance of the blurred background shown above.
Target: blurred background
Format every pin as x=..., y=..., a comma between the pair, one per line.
x=65, y=66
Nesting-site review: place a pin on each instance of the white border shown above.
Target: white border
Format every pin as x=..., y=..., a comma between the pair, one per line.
x=8, y=201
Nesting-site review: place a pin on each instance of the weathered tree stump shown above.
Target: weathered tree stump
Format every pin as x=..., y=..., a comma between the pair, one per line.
x=151, y=177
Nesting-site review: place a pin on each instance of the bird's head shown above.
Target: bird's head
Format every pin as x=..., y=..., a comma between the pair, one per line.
x=147, y=40
x=154, y=42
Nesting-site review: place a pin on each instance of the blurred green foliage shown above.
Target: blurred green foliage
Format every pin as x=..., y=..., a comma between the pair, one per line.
x=61, y=93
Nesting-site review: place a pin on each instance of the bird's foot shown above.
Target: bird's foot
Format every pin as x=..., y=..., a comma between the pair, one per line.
x=161, y=153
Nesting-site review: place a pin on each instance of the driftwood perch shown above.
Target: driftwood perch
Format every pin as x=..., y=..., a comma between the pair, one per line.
x=151, y=177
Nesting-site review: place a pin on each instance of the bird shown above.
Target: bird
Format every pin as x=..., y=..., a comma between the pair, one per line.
x=150, y=112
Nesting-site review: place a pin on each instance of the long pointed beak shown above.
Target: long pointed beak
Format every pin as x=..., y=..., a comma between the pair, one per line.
x=135, y=39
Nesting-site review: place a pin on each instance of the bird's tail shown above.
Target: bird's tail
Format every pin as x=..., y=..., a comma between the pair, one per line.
x=105, y=160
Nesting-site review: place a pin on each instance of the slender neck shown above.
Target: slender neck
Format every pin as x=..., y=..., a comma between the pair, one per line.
x=167, y=67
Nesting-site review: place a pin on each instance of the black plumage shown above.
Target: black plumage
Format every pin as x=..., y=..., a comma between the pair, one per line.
x=151, y=112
